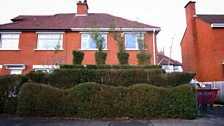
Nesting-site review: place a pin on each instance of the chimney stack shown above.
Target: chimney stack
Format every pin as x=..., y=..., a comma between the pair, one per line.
x=190, y=12
x=82, y=8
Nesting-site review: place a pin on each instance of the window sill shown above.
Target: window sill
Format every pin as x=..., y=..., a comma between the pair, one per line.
x=92, y=49
x=48, y=49
x=132, y=49
x=9, y=49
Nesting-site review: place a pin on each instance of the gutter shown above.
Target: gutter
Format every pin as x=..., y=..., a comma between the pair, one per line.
x=118, y=29
x=217, y=25
x=154, y=46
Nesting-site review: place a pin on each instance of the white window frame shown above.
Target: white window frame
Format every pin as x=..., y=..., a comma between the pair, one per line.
x=15, y=67
x=89, y=37
x=0, y=66
x=136, y=40
x=47, y=68
x=9, y=33
x=49, y=33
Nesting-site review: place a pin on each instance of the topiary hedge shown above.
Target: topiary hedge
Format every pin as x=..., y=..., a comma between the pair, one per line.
x=67, y=78
x=91, y=100
x=77, y=57
x=40, y=100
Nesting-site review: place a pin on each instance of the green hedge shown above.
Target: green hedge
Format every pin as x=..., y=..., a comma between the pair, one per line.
x=67, y=78
x=9, y=89
x=91, y=100
x=77, y=57
x=66, y=66
x=120, y=77
x=40, y=100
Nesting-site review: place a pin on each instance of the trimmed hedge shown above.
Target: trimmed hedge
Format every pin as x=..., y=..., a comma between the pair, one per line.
x=100, y=57
x=67, y=78
x=9, y=90
x=91, y=100
x=40, y=100
x=123, y=57
x=67, y=66
x=120, y=77
x=77, y=57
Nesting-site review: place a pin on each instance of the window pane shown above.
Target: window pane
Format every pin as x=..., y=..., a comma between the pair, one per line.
x=49, y=41
x=131, y=42
x=89, y=43
x=92, y=44
x=105, y=41
x=9, y=43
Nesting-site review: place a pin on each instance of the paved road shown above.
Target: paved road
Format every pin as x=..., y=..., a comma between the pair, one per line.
x=9, y=121
x=216, y=118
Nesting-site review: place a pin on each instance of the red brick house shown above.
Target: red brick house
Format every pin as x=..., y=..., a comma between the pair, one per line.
x=29, y=42
x=168, y=64
x=203, y=46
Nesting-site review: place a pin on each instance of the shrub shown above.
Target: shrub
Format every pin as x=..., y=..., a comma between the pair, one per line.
x=40, y=100
x=91, y=100
x=77, y=57
x=123, y=57
x=100, y=57
x=9, y=89
x=143, y=58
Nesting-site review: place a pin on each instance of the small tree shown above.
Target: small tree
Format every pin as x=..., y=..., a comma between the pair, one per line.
x=122, y=55
x=56, y=59
x=143, y=57
x=77, y=57
x=100, y=55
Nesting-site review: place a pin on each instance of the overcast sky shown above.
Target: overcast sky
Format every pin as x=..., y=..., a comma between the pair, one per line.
x=167, y=14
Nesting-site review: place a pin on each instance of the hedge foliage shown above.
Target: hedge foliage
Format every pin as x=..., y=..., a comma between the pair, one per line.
x=9, y=88
x=67, y=66
x=123, y=57
x=100, y=57
x=77, y=57
x=67, y=78
x=143, y=58
x=91, y=100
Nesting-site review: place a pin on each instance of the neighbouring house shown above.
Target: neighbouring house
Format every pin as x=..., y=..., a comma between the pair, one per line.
x=203, y=47
x=168, y=64
x=29, y=42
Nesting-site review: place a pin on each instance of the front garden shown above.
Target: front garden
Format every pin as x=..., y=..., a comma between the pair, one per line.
x=100, y=91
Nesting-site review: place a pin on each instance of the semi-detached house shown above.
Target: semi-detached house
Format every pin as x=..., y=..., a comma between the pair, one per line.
x=29, y=42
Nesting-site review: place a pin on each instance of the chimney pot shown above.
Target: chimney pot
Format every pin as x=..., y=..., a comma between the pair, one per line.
x=82, y=8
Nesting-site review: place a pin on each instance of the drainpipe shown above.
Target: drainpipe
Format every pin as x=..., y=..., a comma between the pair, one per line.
x=154, y=47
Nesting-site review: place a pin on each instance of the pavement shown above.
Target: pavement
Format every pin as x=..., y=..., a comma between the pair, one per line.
x=214, y=118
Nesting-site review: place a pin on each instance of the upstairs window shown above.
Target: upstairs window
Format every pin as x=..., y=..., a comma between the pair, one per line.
x=9, y=41
x=87, y=43
x=49, y=41
x=131, y=41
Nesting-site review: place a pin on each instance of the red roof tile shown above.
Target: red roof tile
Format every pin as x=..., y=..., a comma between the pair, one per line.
x=164, y=60
x=68, y=21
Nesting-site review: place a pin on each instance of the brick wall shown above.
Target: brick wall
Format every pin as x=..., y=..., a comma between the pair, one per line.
x=71, y=41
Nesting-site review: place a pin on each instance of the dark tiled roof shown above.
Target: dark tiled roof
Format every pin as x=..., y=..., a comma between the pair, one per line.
x=164, y=60
x=68, y=21
x=212, y=18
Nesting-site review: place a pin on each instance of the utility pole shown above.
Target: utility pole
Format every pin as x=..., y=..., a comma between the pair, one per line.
x=171, y=47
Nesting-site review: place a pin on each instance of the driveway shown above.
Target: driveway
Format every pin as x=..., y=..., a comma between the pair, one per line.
x=216, y=118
